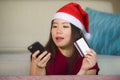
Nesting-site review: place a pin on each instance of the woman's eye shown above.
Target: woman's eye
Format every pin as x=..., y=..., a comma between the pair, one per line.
x=65, y=26
x=54, y=26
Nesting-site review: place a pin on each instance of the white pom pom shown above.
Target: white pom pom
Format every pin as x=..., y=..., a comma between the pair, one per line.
x=87, y=35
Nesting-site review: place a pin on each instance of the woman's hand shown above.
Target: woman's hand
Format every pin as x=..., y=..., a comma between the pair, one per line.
x=38, y=64
x=88, y=62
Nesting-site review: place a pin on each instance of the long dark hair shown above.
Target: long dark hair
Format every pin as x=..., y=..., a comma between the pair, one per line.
x=76, y=34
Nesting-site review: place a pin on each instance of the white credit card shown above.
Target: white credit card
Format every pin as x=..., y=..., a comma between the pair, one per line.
x=82, y=46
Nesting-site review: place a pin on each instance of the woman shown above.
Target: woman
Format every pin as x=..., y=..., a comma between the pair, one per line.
x=67, y=26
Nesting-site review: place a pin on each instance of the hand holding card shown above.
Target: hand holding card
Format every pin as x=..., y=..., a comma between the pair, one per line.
x=82, y=46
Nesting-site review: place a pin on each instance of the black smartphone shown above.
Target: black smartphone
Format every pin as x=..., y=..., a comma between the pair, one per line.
x=36, y=46
x=82, y=46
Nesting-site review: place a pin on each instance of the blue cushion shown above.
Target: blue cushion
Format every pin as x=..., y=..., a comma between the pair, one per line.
x=105, y=32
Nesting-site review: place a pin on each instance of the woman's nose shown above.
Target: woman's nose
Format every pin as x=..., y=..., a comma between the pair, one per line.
x=59, y=30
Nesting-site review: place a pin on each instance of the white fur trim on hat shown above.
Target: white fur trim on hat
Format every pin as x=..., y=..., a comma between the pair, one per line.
x=87, y=35
x=69, y=18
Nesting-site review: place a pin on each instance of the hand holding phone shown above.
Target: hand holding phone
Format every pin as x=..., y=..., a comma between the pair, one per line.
x=36, y=46
x=82, y=46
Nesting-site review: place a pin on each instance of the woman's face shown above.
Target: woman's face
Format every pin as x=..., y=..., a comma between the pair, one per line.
x=61, y=33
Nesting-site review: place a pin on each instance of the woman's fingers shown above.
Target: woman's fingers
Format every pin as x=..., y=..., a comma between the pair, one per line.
x=42, y=63
x=91, y=53
x=42, y=59
x=42, y=55
x=91, y=57
x=91, y=61
x=35, y=54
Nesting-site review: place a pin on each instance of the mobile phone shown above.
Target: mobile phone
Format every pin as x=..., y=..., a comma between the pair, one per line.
x=82, y=46
x=36, y=46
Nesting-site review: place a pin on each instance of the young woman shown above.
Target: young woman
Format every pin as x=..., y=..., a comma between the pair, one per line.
x=66, y=28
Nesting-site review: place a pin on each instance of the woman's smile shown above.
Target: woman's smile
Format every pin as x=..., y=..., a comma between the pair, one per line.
x=59, y=39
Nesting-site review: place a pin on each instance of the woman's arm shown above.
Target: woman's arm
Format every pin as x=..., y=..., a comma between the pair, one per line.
x=37, y=65
x=88, y=72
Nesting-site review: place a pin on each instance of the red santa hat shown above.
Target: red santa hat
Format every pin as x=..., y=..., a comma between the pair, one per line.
x=73, y=13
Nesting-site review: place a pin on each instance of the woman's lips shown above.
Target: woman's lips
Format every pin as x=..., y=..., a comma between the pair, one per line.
x=59, y=39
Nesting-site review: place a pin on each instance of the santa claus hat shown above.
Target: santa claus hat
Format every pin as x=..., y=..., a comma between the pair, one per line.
x=73, y=13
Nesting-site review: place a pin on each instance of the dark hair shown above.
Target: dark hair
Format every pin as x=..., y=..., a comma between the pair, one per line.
x=76, y=34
